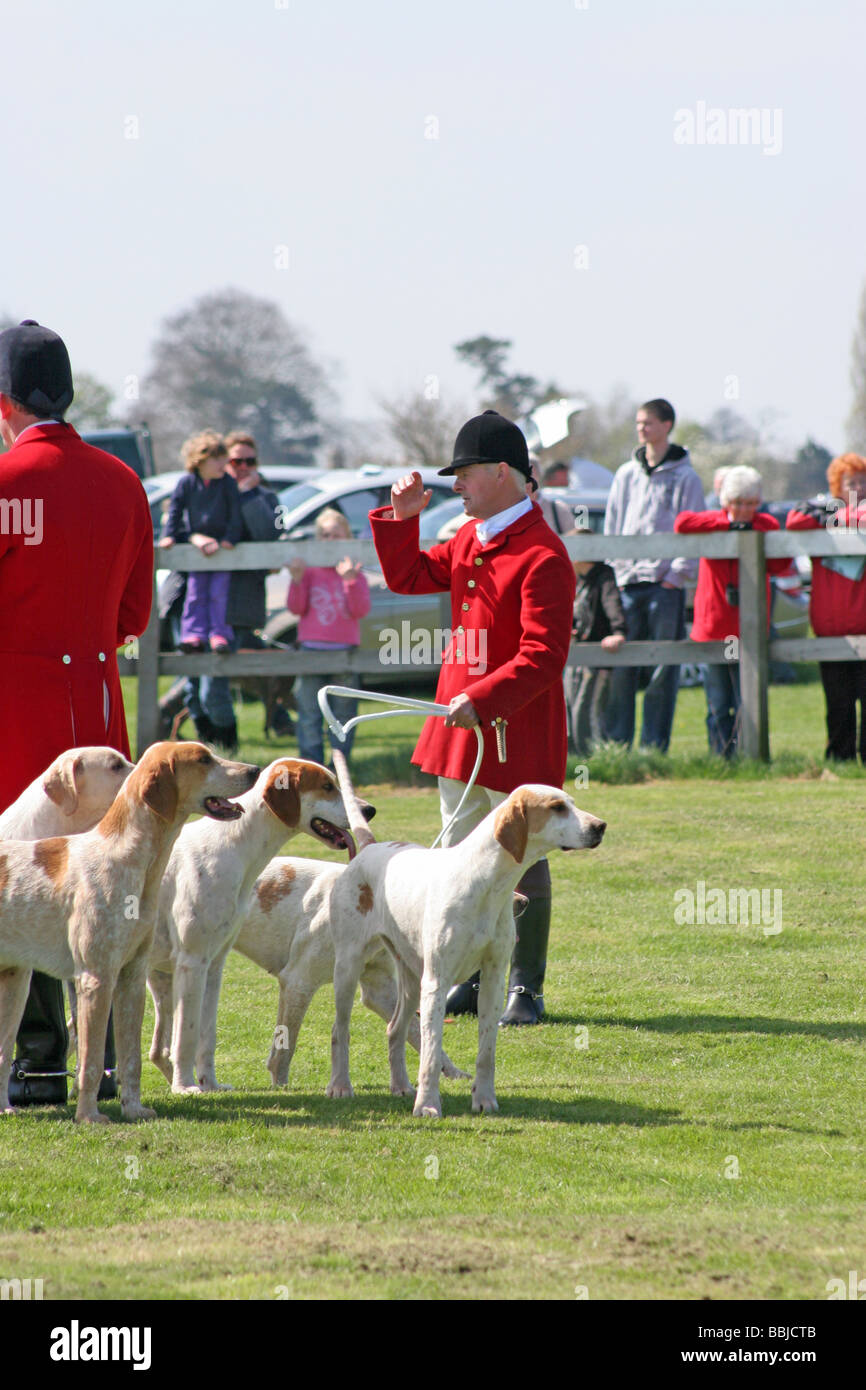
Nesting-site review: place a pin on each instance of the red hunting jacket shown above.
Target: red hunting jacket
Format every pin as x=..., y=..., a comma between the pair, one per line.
x=76, y=580
x=715, y=618
x=837, y=606
x=511, y=609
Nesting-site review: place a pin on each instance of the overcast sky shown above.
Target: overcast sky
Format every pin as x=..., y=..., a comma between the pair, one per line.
x=159, y=150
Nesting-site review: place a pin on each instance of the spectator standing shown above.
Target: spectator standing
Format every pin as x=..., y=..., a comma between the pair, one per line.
x=556, y=512
x=208, y=698
x=556, y=475
x=647, y=493
x=74, y=585
x=205, y=510
x=837, y=606
x=330, y=601
x=717, y=599
x=246, y=610
x=598, y=617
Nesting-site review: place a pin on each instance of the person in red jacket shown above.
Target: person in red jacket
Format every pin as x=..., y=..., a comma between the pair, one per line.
x=76, y=581
x=512, y=590
x=717, y=599
x=837, y=606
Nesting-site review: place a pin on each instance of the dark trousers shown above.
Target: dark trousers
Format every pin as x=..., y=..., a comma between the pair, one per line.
x=722, y=689
x=586, y=693
x=844, y=684
x=652, y=613
x=43, y=1040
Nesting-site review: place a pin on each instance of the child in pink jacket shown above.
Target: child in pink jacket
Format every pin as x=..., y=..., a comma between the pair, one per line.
x=330, y=602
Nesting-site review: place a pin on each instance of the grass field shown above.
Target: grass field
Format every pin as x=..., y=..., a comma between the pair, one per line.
x=687, y=1123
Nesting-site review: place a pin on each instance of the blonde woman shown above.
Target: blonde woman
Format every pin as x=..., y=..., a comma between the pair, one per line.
x=205, y=510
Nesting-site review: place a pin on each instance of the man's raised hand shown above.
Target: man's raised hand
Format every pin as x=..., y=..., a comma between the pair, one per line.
x=409, y=496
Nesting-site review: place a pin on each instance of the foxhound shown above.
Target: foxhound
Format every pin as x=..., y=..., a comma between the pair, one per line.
x=286, y=930
x=70, y=796
x=82, y=907
x=444, y=913
x=204, y=896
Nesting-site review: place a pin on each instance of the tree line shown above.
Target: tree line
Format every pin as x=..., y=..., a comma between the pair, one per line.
x=232, y=360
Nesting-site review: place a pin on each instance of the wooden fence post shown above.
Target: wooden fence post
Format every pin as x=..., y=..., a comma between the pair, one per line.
x=754, y=647
x=147, y=723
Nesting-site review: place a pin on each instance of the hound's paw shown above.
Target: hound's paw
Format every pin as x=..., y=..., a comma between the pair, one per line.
x=178, y=1089
x=402, y=1088
x=484, y=1100
x=340, y=1090
x=163, y=1063
x=95, y=1119
x=431, y=1111
x=205, y=1084
x=454, y=1073
x=279, y=1074
x=8, y=1110
x=135, y=1111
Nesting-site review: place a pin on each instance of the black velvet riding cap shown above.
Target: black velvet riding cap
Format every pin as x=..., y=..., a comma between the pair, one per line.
x=35, y=368
x=490, y=438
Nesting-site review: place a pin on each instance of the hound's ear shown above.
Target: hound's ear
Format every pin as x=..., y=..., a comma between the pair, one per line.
x=282, y=796
x=160, y=790
x=510, y=827
x=60, y=785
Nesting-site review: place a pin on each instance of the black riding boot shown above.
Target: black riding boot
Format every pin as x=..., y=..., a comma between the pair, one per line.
x=204, y=729
x=225, y=736
x=39, y=1070
x=529, y=961
x=108, y=1084
x=463, y=998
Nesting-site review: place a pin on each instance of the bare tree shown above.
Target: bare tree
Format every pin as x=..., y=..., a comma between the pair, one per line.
x=421, y=430
x=233, y=361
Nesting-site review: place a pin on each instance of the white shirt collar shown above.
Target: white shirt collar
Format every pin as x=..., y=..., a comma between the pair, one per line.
x=486, y=530
x=37, y=424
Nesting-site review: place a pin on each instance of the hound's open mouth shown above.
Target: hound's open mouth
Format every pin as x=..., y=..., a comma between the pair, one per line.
x=221, y=809
x=333, y=836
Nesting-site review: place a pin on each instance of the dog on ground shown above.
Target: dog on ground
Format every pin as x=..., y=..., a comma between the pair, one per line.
x=286, y=930
x=70, y=796
x=82, y=907
x=204, y=896
x=443, y=914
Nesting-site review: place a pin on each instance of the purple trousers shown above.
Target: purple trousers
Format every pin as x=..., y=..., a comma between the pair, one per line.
x=204, y=609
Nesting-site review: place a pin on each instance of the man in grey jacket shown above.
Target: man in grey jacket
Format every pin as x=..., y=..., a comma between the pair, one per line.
x=647, y=493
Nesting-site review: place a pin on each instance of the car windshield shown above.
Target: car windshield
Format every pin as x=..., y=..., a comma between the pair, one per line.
x=291, y=497
x=435, y=516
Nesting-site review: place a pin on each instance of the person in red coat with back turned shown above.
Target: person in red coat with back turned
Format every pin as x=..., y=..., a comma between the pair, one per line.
x=76, y=581
x=717, y=598
x=837, y=606
x=512, y=592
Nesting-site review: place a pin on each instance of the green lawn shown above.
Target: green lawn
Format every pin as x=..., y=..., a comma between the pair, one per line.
x=687, y=1124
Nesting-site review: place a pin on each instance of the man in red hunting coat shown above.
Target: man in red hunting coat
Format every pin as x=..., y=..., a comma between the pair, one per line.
x=512, y=592
x=76, y=580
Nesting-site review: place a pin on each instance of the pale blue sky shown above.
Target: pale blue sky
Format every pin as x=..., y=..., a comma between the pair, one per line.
x=262, y=126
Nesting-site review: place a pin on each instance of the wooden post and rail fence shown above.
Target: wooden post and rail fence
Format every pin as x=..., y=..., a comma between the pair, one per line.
x=750, y=548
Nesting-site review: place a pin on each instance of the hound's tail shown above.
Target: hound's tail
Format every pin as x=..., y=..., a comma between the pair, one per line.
x=357, y=820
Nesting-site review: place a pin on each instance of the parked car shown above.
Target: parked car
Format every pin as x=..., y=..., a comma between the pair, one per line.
x=132, y=446
x=354, y=492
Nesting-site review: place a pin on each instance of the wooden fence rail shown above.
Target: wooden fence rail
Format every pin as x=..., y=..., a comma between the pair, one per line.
x=753, y=649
